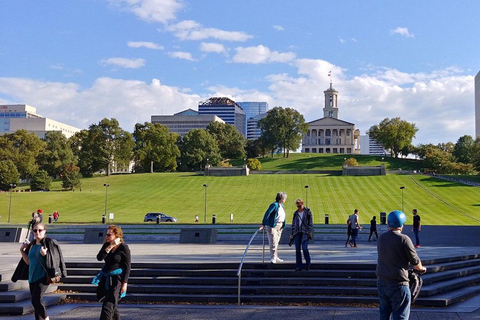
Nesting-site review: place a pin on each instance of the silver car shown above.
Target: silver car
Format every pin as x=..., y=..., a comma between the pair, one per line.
x=152, y=217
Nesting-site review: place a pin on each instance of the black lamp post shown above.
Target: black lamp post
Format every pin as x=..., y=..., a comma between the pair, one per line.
x=106, y=185
x=12, y=186
x=205, y=215
x=401, y=188
x=306, y=195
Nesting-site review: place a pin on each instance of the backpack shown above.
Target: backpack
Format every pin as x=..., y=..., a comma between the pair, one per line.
x=415, y=284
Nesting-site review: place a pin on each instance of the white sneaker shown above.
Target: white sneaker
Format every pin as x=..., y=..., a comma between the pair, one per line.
x=279, y=260
x=273, y=261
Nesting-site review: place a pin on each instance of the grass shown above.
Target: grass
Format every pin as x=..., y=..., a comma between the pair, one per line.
x=182, y=195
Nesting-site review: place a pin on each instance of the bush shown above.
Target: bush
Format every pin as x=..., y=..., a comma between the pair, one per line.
x=224, y=164
x=41, y=181
x=352, y=162
x=254, y=164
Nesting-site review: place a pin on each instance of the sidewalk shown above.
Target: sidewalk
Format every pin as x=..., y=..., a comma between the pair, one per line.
x=321, y=252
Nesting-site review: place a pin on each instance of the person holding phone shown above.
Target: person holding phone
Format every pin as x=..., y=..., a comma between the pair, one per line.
x=45, y=260
x=112, y=280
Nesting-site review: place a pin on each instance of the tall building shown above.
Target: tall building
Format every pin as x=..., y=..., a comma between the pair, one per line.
x=253, y=130
x=184, y=121
x=21, y=116
x=370, y=146
x=477, y=105
x=252, y=109
x=226, y=109
x=330, y=134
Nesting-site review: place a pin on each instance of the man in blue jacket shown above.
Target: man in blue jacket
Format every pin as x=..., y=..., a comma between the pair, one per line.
x=274, y=223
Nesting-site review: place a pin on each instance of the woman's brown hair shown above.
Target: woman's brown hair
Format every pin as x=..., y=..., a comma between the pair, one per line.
x=117, y=231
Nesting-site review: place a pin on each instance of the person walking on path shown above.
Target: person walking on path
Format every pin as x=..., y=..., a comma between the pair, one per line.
x=113, y=278
x=395, y=255
x=373, y=228
x=355, y=225
x=302, y=232
x=45, y=261
x=274, y=223
x=416, y=227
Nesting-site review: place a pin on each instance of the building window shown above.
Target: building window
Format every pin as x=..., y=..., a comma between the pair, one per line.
x=307, y=150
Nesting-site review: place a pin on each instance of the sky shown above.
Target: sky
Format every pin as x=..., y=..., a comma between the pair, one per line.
x=79, y=61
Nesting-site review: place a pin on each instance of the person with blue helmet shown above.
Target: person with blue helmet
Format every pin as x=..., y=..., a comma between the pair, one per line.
x=396, y=254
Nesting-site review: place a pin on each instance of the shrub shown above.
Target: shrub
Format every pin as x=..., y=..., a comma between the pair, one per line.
x=254, y=164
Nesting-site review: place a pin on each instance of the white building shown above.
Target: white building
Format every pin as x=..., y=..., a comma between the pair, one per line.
x=24, y=117
x=370, y=146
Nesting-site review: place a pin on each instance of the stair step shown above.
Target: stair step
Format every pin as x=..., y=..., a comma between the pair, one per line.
x=448, y=298
x=440, y=287
x=9, y=285
x=25, y=306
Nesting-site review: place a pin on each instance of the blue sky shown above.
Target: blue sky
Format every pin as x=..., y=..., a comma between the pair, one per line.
x=79, y=61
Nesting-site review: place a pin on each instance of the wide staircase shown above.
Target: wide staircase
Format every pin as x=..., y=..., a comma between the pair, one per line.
x=448, y=281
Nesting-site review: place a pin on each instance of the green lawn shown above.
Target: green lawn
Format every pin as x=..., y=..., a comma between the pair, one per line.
x=182, y=195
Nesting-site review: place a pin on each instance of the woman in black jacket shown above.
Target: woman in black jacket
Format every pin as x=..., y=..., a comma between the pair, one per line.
x=45, y=260
x=302, y=232
x=112, y=280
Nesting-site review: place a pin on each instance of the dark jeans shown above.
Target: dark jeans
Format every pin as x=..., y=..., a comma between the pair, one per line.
x=110, y=300
x=298, y=254
x=394, y=300
x=372, y=231
x=417, y=239
x=37, y=290
x=354, y=236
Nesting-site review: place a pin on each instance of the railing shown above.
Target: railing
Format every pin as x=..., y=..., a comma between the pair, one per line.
x=239, y=272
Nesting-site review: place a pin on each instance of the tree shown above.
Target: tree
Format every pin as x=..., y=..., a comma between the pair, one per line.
x=22, y=148
x=464, y=149
x=230, y=141
x=284, y=128
x=56, y=154
x=393, y=134
x=70, y=176
x=199, y=149
x=102, y=146
x=41, y=181
x=8, y=174
x=253, y=148
x=155, y=144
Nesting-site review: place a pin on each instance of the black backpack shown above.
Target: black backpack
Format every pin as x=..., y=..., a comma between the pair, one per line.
x=416, y=283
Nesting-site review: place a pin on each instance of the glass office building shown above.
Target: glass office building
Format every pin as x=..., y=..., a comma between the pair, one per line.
x=227, y=110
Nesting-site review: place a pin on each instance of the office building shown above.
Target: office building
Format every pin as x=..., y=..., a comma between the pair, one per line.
x=253, y=130
x=24, y=117
x=252, y=109
x=184, y=121
x=370, y=146
x=226, y=109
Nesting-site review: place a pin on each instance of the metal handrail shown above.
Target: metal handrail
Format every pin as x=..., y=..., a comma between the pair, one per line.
x=239, y=272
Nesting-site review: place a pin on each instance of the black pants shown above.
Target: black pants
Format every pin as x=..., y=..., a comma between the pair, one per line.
x=37, y=290
x=372, y=231
x=111, y=297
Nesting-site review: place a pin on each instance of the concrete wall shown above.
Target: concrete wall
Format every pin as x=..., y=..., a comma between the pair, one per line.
x=364, y=171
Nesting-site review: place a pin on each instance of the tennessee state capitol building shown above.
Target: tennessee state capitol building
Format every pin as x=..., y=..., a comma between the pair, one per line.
x=330, y=134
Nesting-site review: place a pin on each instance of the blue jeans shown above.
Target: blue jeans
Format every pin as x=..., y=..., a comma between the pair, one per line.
x=394, y=300
x=417, y=239
x=298, y=253
x=354, y=236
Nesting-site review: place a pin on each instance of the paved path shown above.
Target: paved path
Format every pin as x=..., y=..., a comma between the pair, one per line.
x=227, y=252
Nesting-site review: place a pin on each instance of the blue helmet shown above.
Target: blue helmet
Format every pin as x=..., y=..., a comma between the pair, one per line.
x=396, y=219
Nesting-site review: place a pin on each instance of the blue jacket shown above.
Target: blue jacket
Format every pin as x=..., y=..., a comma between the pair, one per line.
x=271, y=215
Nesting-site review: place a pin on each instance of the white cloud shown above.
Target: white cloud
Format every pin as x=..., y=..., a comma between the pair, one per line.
x=278, y=28
x=129, y=101
x=124, y=62
x=143, y=44
x=342, y=41
x=151, y=10
x=403, y=32
x=192, y=30
x=181, y=55
x=261, y=54
x=212, y=47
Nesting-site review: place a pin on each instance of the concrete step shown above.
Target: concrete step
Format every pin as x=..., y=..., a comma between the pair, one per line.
x=9, y=285
x=448, y=275
x=449, y=298
x=25, y=306
x=450, y=285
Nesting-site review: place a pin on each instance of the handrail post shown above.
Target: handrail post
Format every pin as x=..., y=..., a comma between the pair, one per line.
x=263, y=239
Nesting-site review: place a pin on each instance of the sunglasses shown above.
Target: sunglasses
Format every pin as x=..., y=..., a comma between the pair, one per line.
x=38, y=230
x=109, y=234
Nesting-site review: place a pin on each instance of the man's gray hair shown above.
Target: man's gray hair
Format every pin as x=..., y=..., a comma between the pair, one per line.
x=281, y=196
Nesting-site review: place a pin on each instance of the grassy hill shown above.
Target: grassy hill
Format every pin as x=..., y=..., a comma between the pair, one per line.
x=182, y=195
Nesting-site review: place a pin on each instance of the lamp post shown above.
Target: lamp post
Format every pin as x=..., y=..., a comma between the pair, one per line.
x=306, y=195
x=12, y=186
x=401, y=188
x=205, y=215
x=106, y=185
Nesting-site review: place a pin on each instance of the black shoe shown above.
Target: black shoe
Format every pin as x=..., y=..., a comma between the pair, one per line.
x=298, y=269
x=307, y=268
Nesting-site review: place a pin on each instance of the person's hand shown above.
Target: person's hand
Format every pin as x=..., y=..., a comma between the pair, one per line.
x=43, y=251
x=291, y=236
x=423, y=270
x=310, y=236
x=124, y=288
x=261, y=228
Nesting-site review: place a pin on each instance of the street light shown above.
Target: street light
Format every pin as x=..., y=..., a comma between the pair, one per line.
x=401, y=188
x=12, y=186
x=205, y=216
x=306, y=195
x=106, y=185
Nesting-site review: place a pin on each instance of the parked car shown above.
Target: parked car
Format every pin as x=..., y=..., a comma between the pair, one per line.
x=152, y=217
